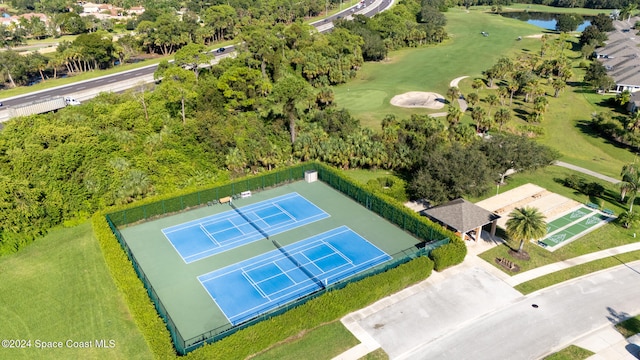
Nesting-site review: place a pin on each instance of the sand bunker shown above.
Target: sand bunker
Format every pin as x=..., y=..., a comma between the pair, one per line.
x=417, y=99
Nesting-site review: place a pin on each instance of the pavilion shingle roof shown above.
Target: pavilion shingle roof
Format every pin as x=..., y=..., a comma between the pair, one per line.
x=461, y=215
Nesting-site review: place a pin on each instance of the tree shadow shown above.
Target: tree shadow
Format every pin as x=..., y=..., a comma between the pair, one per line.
x=521, y=113
x=616, y=317
x=585, y=127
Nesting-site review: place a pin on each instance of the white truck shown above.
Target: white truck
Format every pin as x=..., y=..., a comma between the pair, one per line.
x=42, y=106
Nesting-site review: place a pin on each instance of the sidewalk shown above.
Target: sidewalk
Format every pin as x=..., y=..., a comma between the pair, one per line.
x=587, y=171
x=606, y=342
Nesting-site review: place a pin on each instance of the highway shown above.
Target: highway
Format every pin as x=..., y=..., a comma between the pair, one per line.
x=84, y=90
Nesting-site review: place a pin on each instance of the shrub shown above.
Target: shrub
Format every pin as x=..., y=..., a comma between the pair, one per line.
x=449, y=255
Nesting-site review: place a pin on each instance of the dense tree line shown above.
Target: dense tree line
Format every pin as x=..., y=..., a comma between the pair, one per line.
x=269, y=106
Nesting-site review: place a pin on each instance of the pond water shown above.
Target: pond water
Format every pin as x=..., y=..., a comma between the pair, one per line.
x=543, y=20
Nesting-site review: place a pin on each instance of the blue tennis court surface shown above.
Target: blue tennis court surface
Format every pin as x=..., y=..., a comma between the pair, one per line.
x=254, y=286
x=214, y=234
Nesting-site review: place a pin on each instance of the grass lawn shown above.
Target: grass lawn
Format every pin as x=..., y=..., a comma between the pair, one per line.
x=571, y=352
x=376, y=355
x=314, y=342
x=59, y=289
x=629, y=327
x=432, y=68
x=576, y=271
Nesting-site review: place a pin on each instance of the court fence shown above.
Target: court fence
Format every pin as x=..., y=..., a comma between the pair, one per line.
x=432, y=235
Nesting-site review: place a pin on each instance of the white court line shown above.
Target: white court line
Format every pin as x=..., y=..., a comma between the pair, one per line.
x=209, y=235
x=255, y=285
x=285, y=211
x=351, y=270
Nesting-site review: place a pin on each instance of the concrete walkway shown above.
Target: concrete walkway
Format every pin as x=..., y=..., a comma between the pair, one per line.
x=605, y=341
x=587, y=171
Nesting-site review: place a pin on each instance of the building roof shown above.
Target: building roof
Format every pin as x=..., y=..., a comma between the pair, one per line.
x=621, y=55
x=461, y=215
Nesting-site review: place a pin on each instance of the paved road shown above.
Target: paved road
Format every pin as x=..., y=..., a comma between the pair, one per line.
x=471, y=314
x=519, y=331
x=121, y=81
x=587, y=171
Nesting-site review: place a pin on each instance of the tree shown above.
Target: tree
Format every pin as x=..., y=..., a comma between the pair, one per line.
x=568, y=22
x=628, y=219
x=502, y=116
x=453, y=115
x=630, y=183
x=524, y=224
x=453, y=93
x=477, y=84
x=290, y=90
x=628, y=10
x=558, y=85
x=492, y=100
x=191, y=56
x=596, y=75
x=472, y=99
x=478, y=115
x=178, y=84
x=623, y=97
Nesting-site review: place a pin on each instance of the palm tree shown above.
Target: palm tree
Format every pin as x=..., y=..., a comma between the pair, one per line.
x=503, y=92
x=502, y=116
x=478, y=114
x=453, y=93
x=513, y=86
x=477, y=84
x=630, y=183
x=453, y=115
x=492, y=100
x=526, y=223
x=472, y=99
x=558, y=85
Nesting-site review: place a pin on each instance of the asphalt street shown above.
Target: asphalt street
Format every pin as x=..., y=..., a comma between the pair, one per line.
x=472, y=315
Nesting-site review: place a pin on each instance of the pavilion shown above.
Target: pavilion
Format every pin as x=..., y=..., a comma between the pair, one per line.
x=463, y=217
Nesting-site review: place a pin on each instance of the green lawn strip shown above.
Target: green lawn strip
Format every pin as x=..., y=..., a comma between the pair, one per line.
x=432, y=68
x=629, y=327
x=323, y=342
x=571, y=352
x=605, y=237
x=576, y=271
x=59, y=289
x=378, y=354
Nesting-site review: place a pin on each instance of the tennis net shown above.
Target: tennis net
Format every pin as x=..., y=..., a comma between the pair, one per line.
x=249, y=220
x=277, y=245
x=300, y=266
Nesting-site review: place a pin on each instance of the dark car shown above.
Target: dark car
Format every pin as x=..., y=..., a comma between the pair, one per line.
x=221, y=50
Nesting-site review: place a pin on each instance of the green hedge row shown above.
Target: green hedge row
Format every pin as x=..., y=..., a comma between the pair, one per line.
x=325, y=308
x=142, y=309
x=449, y=255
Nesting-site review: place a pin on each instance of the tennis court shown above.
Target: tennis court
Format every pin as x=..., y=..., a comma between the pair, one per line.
x=575, y=229
x=247, y=289
x=200, y=238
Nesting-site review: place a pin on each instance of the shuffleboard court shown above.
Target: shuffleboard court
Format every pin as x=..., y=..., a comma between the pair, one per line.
x=201, y=238
x=254, y=286
x=568, y=219
x=576, y=229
